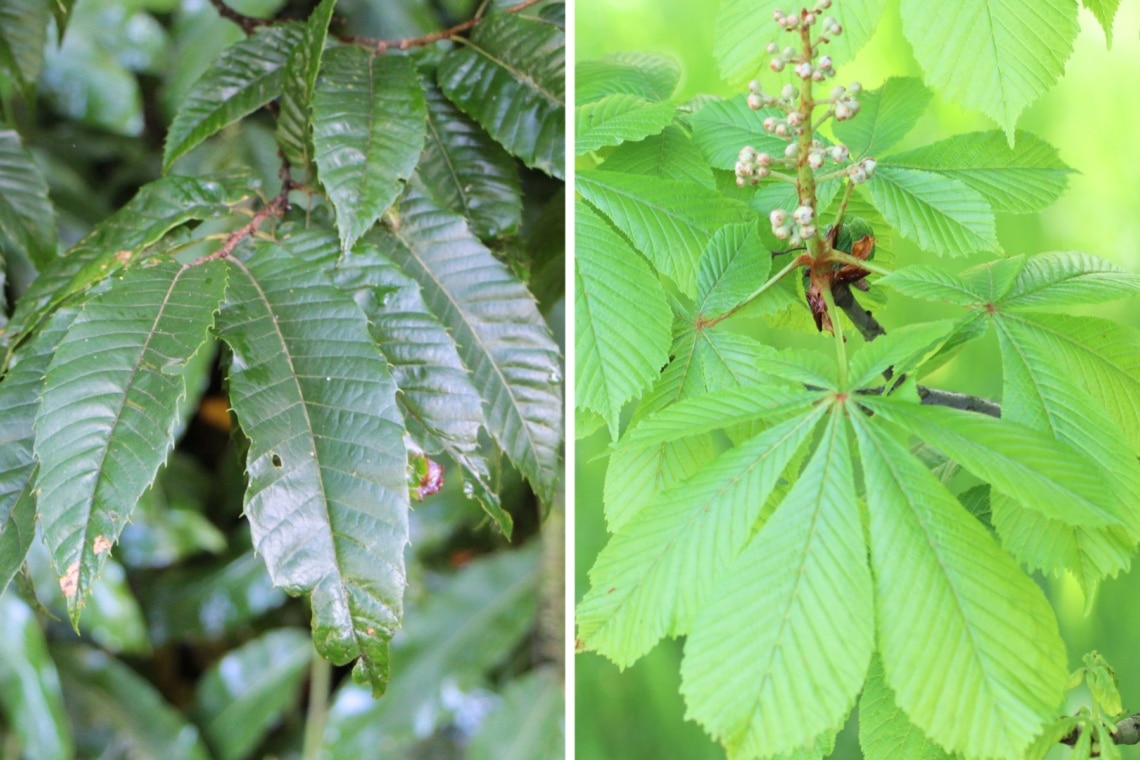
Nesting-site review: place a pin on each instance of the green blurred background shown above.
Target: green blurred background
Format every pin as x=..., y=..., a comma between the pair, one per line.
x=1091, y=117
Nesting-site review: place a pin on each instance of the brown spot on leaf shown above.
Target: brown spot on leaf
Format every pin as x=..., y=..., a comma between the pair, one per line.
x=123, y=256
x=102, y=544
x=371, y=631
x=69, y=583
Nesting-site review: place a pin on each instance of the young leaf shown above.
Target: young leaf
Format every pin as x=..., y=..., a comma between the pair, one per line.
x=670, y=222
x=650, y=76
x=29, y=685
x=298, y=81
x=886, y=115
x=885, y=731
x=619, y=118
x=744, y=28
x=509, y=77
x=941, y=214
x=499, y=333
x=757, y=672
x=653, y=576
x=322, y=528
x=1105, y=12
x=26, y=215
x=612, y=284
x=722, y=128
x=993, y=645
x=242, y=695
x=106, y=421
x=243, y=79
x=1052, y=281
x=668, y=155
x=466, y=171
x=369, y=124
x=1033, y=468
x=995, y=57
x=732, y=267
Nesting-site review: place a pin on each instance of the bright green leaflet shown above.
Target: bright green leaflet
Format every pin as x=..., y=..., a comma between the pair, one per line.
x=619, y=118
x=885, y=732
x=650, y=76
x=886, y=115
x=668, y=155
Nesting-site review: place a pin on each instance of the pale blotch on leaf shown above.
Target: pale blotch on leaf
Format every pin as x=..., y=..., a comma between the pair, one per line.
x=123, y=256
x=102, y=544
x=69, y=583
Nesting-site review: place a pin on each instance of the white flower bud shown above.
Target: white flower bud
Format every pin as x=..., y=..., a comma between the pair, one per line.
x=824, y=4
x=778, y=217
x=843, y=111
x=808, y=230
x=854, y=88
x=770, y=124
x=789, y=53
x=835, y=30
x=781, y=232
x=825, y=62
x=803, y=214
x=741, y=169
x=838, y=153
x=762, y=172
x=764, y=159
x=795, y=239
x=781, y=130
x=795, y=118
x=838, y=92
x=747, y=153
x=868, y=165
x=817, y=75
x=777, y=65
x=791, y=150
x=778, y=16
x=740, y=181
x=790, y=92
x=754, y=101
x=773, y=48
x=857, y=175
x=804, y=70
x=809, y=18
x=815, y=160
x=754, y=86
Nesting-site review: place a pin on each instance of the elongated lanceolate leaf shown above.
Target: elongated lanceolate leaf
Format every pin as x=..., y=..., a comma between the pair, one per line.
x=23, y=37
x=615, y=119
x=441, y=408
x=1025, y=178
x=1030, y=466
x=312, y=393
x=26, y=215
x=157, y=208
x=932, y=284
x=744, y=28
x=243, y=79
x=939, y=213
x=466, y=171
x=298, y=80
x=668, y=155
x=20, y=399
x=733, y=266
x=996, y=56
x=651, y=76
x=899, y=349
x=243, y=694
x=1052, y=281
x=30, y=695
x=500, y=335
x=654, y=574
x=885, y=732
x=509, y=77
x=369, y=122
x=614, y=288
x=886, y=115
x=983, y=674
x=669, y=222
x=110, y=403
x=760, y=671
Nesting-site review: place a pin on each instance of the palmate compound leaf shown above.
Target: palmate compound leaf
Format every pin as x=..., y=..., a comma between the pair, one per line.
x=20, y=399
x=497, y=329
x=441, y=408
x=779, y=650
x=1030, y=466
x=656, y=571
x=509, y=77
x=298, y=80
x=744, y=28
x=369, y=124
x=327, y=499
x=668, y=221
x=969, y=643
x=26, y=215
x=885, y=731
x=115, y=242
x=995, y=56
x=886, y=115
x=614, y=288
x=244, y=78
x=619, y=118
x=110, y=404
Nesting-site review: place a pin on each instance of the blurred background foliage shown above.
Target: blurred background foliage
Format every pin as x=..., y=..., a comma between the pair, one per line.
x=1091, y=117
x=186, y=650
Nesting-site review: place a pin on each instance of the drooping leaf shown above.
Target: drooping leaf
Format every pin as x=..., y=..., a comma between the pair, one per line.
x=651, y=76
x=323, y=529
x=243, y=79
x=1033, y=468
x=939, y=213
x=668, y=221
x=619, y=118
x=241, y=696
x=499, y=333
x=1023, y=179
x=886, y=115
x=994, y=644
x=885, y=732
x=104, y=691
x=1105, y=12
x=30, y=695
x=744, y=28
x=299, y=79
x=26, y=215
x=528, y=722
x=653, y=576
x=722, y=128
x=369, y=124
x=466, y=171
x=668, y=155
x=995, y=56
x=757, y=673
x=106, y=421
x=23, y=37
x=509, y=77
x=614, y=286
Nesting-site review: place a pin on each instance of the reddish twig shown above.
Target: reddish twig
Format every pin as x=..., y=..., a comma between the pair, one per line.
x=247, y=23
x=383, y=46
x=276, y=207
